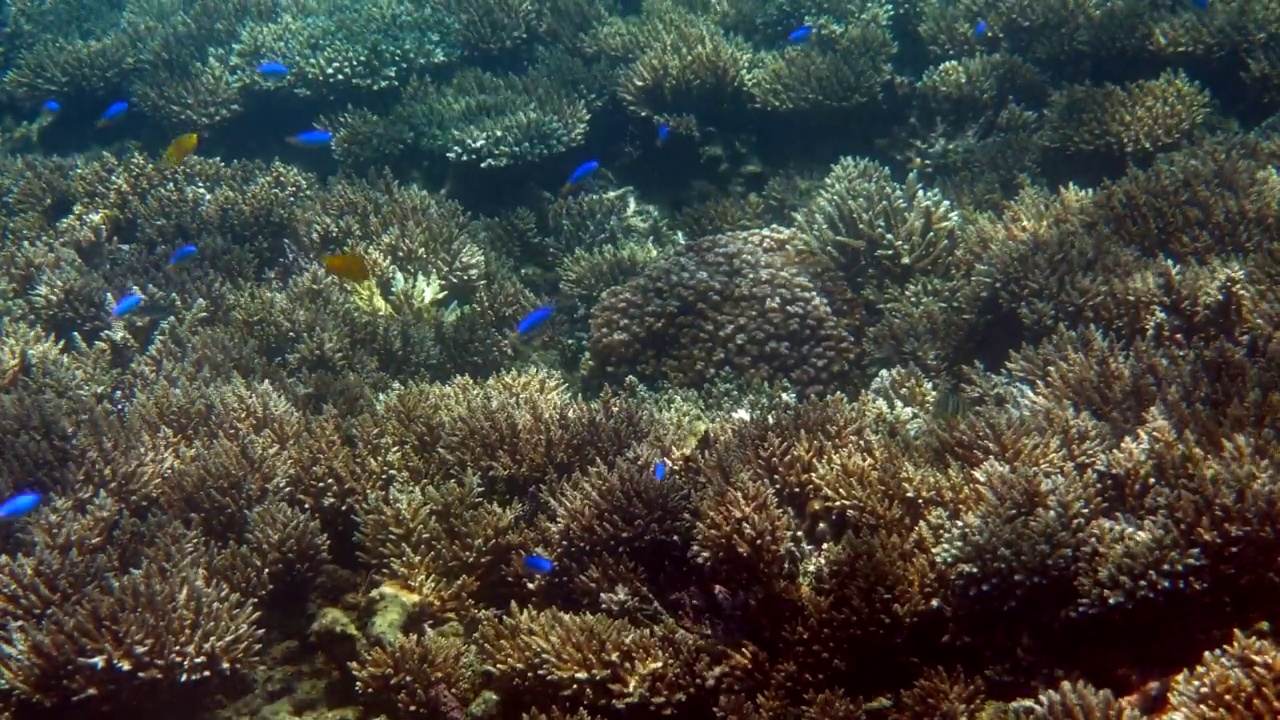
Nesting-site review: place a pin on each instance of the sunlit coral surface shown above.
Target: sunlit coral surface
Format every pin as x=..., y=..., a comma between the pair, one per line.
x=888, y=359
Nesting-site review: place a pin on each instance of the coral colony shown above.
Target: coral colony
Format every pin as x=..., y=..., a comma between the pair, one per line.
x=761, y=360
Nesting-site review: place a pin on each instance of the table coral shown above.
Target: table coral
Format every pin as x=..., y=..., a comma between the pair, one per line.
x=495, y=119
x=332, y=47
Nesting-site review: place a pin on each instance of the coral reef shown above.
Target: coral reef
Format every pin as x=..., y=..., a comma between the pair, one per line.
x=922, y=364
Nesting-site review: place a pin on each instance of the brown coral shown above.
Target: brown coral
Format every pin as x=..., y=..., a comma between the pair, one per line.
x=1238, y=680
x=1135, y=121
x=94, y=626
x=1076, y=701
x=696, y=317
x=597, y=662
x=419, y=676
x=686, y=66
x=843, y=67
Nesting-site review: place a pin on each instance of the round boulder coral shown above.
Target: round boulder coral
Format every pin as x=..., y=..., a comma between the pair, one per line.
x=743, y=305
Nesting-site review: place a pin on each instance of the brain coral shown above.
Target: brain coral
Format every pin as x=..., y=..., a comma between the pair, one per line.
x=743, y=305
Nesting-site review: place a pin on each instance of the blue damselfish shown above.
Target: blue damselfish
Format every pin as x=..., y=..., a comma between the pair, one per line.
x=534, y=319
x=127, y=304
x=311, y=138
x=19, y=504
x=537, y=564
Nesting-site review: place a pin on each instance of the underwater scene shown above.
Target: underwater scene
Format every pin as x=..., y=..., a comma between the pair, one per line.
x=636, y=359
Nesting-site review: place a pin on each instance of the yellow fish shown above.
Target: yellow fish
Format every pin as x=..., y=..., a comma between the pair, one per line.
x=348, y=266
x=181, y=147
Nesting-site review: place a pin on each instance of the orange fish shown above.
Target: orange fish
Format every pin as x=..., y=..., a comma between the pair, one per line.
x=348, y=266
x=181, y=147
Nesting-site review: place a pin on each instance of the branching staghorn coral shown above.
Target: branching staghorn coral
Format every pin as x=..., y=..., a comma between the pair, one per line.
x=969, y=88
x=170, y=57
x=462, y=496
x=977, y=132
x=511, y=28
x=587, y=273
x=111, y=224
x=94, y=623
x=400, y=228
x=200, y=96
x=43, y=390
x=1114, y=256
x=364, y=139
x=595, y=221
x=1075, y=700
x=1237, y=680
x=843, y=66
x=49, y=64
x=1135, y=121
x=621, y=538
x=679, y=64
x=344, y=46
x=1051, y=35
x=1240, y=39
x=938, y=693
x=420, y=676
x=935, y=536
x=876, y=230
x=492, y=27
x=1124, y=547
x=905, y=261
x=591, y=661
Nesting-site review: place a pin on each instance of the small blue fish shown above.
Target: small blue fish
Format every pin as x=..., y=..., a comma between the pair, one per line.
x=19, y=504
x=311, y=139
x=534, y=319
x=51, y=107
x=1200, y=4
x=980, y=29
x=582, y=173
x=127, y=304
x=186, y=252
x=664, y=131
x=800, y=34
x=537, y=564
x=660, y=470
x=273, y=70
x=113, y=113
